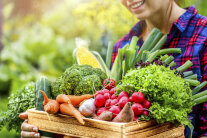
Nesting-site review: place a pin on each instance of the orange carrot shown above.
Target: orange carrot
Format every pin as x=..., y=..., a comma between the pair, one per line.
x=62, y=98
x=76, y=100
x=51, y=106
x=69, y=109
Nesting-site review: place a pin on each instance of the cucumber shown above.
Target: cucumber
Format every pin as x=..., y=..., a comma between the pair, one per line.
x=42, y=84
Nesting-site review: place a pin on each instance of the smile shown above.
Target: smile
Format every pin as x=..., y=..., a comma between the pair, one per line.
x=136, y=5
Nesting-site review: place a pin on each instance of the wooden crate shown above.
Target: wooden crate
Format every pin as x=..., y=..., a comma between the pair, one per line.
x=68, y=125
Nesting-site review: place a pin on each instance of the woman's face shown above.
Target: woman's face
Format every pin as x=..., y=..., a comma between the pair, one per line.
x=145, y=9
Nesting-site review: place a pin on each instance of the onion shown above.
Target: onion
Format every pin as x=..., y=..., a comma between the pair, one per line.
x=87, y=108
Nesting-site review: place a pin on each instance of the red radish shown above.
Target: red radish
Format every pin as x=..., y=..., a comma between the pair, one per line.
x=108, y=103
x=98, y=92
x=137, y=108
x=99, y=100
x=135, y=118
x=146, y=104
x=113, y=96
x=107, y=96
x=130, y=99
x=109, y=84
x=122, y=94
x=138, y=97
x=105, y=91
x=115, y=110
x=145, y=113
x=114, y=102
x=100, y=110
x=112, y=91
x=123, y=101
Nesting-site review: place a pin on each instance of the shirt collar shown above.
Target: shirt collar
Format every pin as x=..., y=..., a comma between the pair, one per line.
x=182, y=22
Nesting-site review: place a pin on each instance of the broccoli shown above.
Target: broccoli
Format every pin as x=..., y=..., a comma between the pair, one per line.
x=88, y=84
x=78, y=80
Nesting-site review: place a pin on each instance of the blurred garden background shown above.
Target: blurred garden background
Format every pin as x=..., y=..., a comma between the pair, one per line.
x=38, y=37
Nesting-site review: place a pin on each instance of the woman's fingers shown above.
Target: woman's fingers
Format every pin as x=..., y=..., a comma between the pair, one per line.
x=23, y=115
x=25, y=134
x=27, y=127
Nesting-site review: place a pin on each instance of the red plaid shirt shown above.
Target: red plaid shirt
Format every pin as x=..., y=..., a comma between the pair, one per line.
x=189, y=32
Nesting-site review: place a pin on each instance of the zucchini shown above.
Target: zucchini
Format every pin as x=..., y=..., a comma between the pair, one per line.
x=44, y=85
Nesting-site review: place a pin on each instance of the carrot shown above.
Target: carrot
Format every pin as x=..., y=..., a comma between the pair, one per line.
x=51, y=106
x=62, y=98
x=69, y=109
x=76, y=100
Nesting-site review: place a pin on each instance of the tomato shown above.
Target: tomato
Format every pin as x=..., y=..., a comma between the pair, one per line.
x=109, y=84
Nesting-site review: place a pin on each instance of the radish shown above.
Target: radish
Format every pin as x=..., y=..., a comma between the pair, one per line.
x=99, y=100
x=122, y=94
x=115, y=110
x=146, y=104
x=100, y=110
x=137, y=108
x=130, y=99
x=108, y=103
x=105, y=91
x=112, y=91
x=135, y=118
x=99, y=92
x=114, y=102
x=138, y=97
x=123, y=101
x=113, y=96
x=107, y=96
x=145, y=113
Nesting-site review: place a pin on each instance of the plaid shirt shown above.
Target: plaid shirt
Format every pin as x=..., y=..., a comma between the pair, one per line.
x=189, y=32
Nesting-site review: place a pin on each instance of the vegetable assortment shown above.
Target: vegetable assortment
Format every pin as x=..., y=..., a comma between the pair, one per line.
x=143, y=86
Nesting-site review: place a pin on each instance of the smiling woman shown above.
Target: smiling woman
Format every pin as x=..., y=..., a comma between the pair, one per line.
x=185, y=29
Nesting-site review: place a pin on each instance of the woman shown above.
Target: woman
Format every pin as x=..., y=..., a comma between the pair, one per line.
x=185, y=28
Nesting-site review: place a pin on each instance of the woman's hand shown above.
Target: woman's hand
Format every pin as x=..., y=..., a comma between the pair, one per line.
x=27, y=129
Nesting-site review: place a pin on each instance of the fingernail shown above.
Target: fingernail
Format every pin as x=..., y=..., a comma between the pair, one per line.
x=35, y=129
x=37, y=135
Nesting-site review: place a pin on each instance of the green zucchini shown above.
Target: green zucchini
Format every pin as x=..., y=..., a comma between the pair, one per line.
x=44, y=85
x=200, y=94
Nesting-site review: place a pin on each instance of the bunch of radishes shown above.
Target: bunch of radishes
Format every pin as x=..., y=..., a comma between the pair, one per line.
x=105, y=100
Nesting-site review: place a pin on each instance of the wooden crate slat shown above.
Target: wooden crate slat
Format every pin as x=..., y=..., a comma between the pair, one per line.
x=71, y=129
x=138, y=125
x=68, y=125
x=173, y=133
x=71, y=120
x=150, y=131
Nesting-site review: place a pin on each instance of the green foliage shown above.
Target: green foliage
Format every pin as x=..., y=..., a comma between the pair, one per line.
x=170, y=95
x=78, y=80
x=18, y=103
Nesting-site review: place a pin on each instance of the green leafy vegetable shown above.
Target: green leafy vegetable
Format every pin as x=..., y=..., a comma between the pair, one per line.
x=19, y=102
x=169, y=94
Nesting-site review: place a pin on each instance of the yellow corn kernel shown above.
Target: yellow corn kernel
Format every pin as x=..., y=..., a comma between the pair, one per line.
x=86, y=57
